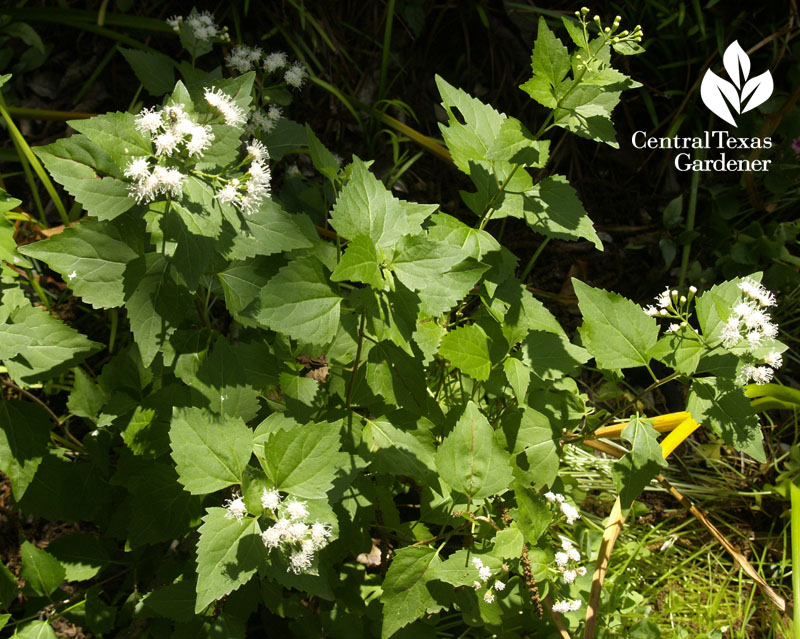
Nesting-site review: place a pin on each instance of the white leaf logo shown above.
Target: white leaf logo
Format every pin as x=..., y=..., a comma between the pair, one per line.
x=724, y=98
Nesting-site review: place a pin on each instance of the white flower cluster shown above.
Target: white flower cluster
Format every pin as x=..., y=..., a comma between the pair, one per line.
x=568, y=510
x=172, y=131
x=567, y=554
x=565, y=605
x=225, y=105
x=750, y=325
x=248, y=193
x=484, y=575
x=243, y=59
x=264, y=121
x=203, y=26
x=291, y=533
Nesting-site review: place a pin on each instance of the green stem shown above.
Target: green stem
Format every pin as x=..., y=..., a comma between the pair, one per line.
x=652, y=387
x=487, y=213
x=351, y=385
x=794, y=492
x=387, y=39
x=114, y=316
x=533, y=259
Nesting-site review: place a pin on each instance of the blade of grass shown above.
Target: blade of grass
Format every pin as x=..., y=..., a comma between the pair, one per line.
x=24, y=113
x=794, y=492
x=21, y=143
x=386, y=49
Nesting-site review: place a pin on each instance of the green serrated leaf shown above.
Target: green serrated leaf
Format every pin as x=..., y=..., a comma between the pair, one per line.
x=417, y=260
x=405, y=596
x=516, y=144
x=458, y=569
x=36, y=630
x=399, y=452
x=35, y=345
x=550, y=58
x=469, y=142
x=154, y=70
x=91, y=257
x=156, y=303
x=551, y=356
x=470, y=460
x=117, y=135
x=508, y=543
x=228, y=555
x=41, y=571
x=680, y=350
x=616, y=331
x=8, y=587
x=519, y=378
x=24, y=435
x=300, y=303
x=360, y=263
x=210, y=452
x=531, y=433
x=552, y=208
x=467, y=348
x=303, y=460
x=714, y=307
x=82, y=555
x=534, y=514
x=720, y=404
x=366, y=207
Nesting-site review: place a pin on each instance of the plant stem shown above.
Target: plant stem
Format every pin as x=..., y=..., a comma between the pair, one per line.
x=352, y=383
x=690, y=215
x=533, y=259
x=794, y=492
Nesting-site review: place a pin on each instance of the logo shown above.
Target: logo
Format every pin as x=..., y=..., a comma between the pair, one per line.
x=743, y=93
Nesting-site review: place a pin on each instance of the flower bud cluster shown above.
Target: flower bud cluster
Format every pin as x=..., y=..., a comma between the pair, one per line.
x=569, y=511
x=291, y=533
x=202, y=25
x=484, y=576
x=611, y=33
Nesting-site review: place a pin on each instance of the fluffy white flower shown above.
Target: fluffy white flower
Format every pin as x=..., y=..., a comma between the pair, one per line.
x=137, y=169
x=320, y=533
x=296, y=509
x=295, y=75
x=485, y=573
x=664, y=300
x=476, y=561
x=243, y=58
x=296, y=532
x=488, y=596
x=570, y=512
x=570, y=576
x=673, y=328
x=169, y=180
x=562, y=559
x=200, y=139
x=274, y=61
x=175, y=23
x=477, y=585
x=228, y=193
x=651, y=310
x=499, y=586
x=730, y=333
x=299, y=562
x=149, y=120
x=236, y=508
x=222, y=102
x=203, y=26
x=573, y=554
x=565, y=605
x=774, y=359
x=271, y=537
x=167, y=142
x=257, y=151
x=581, y=570
x=566, y=544
x=270, y=499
